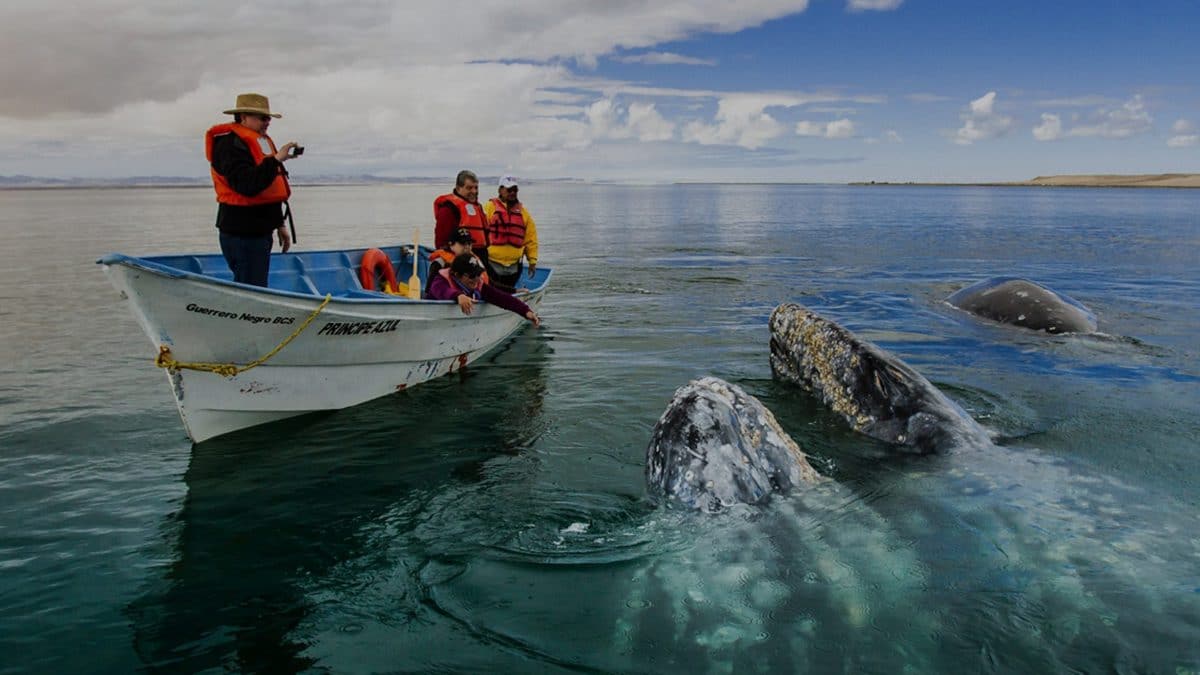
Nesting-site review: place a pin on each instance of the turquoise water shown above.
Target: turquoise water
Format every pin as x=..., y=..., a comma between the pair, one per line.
x=496, y=520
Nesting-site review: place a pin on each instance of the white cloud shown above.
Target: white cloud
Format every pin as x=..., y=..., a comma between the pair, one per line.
x=787, y=99
x=804, y=128
x=864, y=5
x=1050, y=129
x=927, y=98
x=841, y=128
x=642, y=121
x=1120, y=121
x=603, y=116
x=665, y=58
x=1086, y=101
x=742, y=120
x=888, y=136
x=1182, y=135
x=163, y=51
x=1130, y=119
x=368, y=86
x=646, y=124
x=982, y=122
x=984, y=105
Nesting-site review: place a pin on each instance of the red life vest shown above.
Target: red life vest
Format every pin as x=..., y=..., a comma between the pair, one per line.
x=447, y=257
x=470, y=216
x=507, y=227
x=260, y=146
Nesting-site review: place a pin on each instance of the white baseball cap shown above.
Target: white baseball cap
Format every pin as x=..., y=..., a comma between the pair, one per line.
x=508, y=181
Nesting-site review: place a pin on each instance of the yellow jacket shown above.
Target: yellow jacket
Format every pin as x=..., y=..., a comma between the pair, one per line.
x=509, y=255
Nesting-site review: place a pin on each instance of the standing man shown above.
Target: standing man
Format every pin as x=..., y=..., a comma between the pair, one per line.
x=251, y=184
x=512, y=235
x=461, y=209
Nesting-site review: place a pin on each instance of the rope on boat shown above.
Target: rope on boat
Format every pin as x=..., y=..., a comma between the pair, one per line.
x=165, y=360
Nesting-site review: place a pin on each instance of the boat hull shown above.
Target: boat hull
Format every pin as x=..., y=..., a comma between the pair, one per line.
x=353, y=351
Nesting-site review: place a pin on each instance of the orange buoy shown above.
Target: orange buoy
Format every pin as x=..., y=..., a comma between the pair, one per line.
x=374, y=263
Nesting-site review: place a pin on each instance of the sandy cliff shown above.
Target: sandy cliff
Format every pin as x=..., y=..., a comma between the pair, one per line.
x=1110, y=180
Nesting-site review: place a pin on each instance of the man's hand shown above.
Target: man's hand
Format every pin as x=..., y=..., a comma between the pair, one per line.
x=465, y=304
x=285, y=239
x=532, y=316
x=532, y=269
x=285, y=153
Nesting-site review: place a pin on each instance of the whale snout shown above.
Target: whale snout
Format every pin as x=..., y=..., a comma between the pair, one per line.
x=716, y=446
x=873, y=390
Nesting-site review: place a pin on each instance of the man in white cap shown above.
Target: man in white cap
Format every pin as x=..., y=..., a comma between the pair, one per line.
x=251, y=184
x=512, y=235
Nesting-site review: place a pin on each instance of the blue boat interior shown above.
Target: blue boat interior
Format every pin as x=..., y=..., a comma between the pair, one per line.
x=311, y=272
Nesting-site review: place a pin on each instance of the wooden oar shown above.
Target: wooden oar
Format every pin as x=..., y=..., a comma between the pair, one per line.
x=414, y=282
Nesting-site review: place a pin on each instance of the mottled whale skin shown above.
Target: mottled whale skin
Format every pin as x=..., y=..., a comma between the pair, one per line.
x=716, y=446
x=877, y=393
x=1021, y=302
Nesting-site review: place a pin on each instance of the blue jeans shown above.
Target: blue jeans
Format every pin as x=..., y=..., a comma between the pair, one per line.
x=249, y=258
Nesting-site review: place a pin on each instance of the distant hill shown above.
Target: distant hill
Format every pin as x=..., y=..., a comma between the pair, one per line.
x=1112, y=180
x=1148, y=180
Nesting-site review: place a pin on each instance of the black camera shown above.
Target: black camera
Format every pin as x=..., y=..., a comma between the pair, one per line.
x=297, y=150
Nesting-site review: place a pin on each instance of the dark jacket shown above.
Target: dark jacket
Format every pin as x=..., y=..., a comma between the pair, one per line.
x=232, y=159
x=442, y=289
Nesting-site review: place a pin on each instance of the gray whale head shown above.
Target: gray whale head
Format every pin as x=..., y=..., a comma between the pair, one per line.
x=877, y=393
x=716, y=446
x=1021, y=302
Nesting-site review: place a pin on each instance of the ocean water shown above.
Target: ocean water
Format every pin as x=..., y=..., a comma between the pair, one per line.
x=496, y=520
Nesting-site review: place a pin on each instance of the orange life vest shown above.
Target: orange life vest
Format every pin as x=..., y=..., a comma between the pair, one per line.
x=470, y=216
x=261, y=146
x=447, y=257
x=507, y=227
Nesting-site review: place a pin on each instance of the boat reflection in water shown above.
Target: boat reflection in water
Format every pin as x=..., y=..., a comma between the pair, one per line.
x=277, y=517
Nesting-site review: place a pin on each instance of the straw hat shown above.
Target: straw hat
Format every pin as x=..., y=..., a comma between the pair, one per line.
x=252, y=103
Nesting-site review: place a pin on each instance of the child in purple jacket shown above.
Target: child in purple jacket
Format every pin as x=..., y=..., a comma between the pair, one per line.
x=461, y=282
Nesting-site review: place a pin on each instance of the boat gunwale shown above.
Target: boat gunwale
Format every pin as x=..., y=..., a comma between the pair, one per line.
x=150, y=265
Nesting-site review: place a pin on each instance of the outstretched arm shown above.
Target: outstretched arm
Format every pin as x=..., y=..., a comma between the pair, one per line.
x=499, y=298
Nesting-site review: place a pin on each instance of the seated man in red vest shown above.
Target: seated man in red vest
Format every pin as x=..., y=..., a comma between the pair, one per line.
x=462, y=283
x=461, y=209
x=512, y=235
x=251, y=184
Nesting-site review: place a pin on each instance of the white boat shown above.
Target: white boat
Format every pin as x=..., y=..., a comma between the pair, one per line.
x=359, y=344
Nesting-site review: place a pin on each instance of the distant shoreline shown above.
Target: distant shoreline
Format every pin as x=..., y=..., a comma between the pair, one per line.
x=182, y=186
x=1159, y=180
x=1156, y=180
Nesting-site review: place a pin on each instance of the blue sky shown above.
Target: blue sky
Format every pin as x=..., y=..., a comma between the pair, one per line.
x=826, y=90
